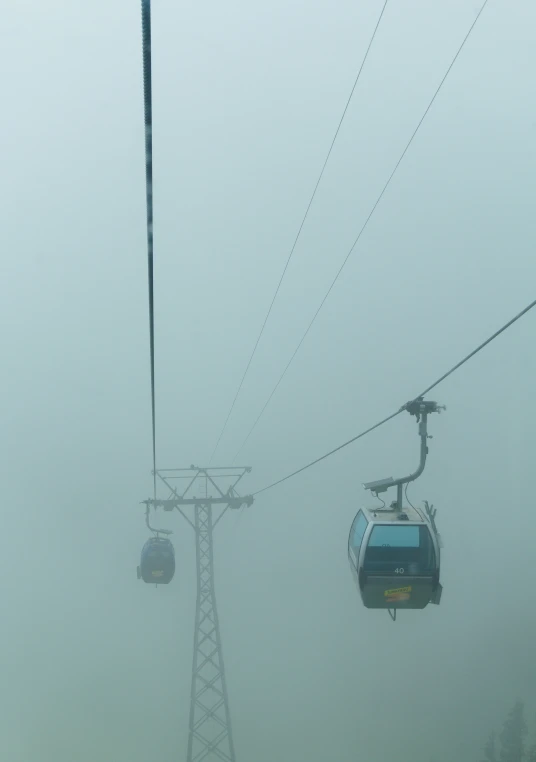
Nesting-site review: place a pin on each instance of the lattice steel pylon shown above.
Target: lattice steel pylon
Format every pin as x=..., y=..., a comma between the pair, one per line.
x=210, y=720
x=210, y=733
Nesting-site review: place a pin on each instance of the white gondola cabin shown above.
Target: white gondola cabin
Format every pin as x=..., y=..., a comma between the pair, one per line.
x=395, y=558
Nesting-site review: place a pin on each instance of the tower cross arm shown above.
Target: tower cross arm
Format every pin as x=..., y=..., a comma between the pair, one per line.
x=233, y=501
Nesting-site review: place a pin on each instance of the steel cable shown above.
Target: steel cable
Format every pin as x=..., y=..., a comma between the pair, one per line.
x=298, y=233
x=367, y=220
x=404, y=407
x=148, y=109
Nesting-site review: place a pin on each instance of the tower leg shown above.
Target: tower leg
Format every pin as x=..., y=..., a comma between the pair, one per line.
x=210, y=736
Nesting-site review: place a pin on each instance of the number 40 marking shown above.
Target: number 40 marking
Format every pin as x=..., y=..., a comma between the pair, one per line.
x=400, y=570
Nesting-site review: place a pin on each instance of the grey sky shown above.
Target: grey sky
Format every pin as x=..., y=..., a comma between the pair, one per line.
x=246, y=100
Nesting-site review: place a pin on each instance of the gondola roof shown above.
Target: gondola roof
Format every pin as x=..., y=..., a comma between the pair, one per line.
x=406, y=514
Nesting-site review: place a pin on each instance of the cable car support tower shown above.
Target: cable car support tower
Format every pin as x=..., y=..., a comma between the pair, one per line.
x=210, y=734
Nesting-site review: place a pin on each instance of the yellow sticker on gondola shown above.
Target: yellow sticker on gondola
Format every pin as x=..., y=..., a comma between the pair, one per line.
x=157, y=573
x=398, y=597
x=398, y=590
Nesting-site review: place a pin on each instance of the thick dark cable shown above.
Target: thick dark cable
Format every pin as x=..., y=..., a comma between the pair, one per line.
x=147, y=100
x=393, y=415
x=332, y=452
x=299, y=231
x=404, y=152
x=481, y=346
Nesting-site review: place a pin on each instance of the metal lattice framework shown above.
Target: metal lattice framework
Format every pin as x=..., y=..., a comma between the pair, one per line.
x=210, y=732
x=210, y=720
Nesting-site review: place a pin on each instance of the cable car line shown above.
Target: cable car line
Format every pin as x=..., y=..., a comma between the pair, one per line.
x=299, y=232
x=367, y=220
x=332, y=452
x=481, y=346
x=148, y=113
x=404, y=407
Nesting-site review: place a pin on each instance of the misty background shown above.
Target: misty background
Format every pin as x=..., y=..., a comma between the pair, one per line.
x=246, y=98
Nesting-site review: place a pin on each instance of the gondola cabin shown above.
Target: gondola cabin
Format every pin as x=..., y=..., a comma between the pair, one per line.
x=157, y=564
x=394, y=557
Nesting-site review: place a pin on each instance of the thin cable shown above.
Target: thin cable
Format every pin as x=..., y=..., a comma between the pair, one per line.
x=299, y=232
x=148, y=108
x=404, y=407
x=382, y=501
x=407, y=498
x=404, y=152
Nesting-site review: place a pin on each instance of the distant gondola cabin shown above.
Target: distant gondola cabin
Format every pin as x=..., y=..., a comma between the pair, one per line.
x=157, y=565
x=394, y=557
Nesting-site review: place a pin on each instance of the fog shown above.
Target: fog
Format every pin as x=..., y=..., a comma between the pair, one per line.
x=246, y=99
